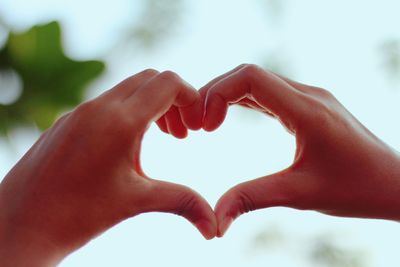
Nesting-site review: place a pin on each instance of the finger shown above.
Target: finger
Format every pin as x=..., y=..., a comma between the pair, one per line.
x=253, y=105
x=203, y=91
x=129, y=86
x=264, y=88
x=192, y=116
x=299, y=86
x=279, y=189
x=183, y=201
x=157, y=96
x=174, y=123
x=162, y=124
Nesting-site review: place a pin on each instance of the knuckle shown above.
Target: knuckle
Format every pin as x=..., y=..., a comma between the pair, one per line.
x=251, y=70
x=187, y=203
x=61, y=119
x=326, y=105
x=169, y=76
x=241, y=66
x=326, y=94
x=324, y=113
x=116, y=115
x=64, y=116
x=244, y=201
x=323, y=107
x=124, y=121
x=150, y=72
x=85, y=109
x=122, y=125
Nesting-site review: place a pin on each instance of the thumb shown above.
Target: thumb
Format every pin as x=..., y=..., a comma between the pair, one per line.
x=185, y=202
x=273, y=190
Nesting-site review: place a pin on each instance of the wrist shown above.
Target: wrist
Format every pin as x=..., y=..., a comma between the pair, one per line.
x=388, y=188
x=21, y=245
x=23, y=248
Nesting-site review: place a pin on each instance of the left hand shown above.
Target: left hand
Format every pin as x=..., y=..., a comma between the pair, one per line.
x=340, y=167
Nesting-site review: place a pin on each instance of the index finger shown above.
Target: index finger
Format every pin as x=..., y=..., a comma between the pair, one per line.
x=155, y=97
x=264, y=88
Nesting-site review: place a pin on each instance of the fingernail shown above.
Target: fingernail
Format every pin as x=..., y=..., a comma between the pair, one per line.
x=207, y=229
x=224, y=225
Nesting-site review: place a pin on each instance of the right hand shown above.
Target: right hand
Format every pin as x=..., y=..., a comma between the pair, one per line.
x=340, y=167
x=84, y=176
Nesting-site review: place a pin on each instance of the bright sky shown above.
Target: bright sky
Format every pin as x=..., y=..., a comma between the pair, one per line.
x=333, y=44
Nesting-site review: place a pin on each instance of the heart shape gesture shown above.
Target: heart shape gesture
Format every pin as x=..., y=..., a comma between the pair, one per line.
x=83, y=175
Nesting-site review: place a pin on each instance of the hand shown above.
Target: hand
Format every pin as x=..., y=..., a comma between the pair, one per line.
x=83, y=175
x=340, y=168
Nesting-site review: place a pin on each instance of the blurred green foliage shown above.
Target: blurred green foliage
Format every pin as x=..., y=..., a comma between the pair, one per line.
x=328, y=254
x=51, y=82
x=390, y=53
x=322, y=250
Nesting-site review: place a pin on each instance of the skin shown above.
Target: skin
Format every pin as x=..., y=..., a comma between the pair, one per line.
x=340, y=168
x=55, y=200
x=83, y=175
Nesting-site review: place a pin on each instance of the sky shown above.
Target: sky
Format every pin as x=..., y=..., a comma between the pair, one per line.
x=331, y=44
